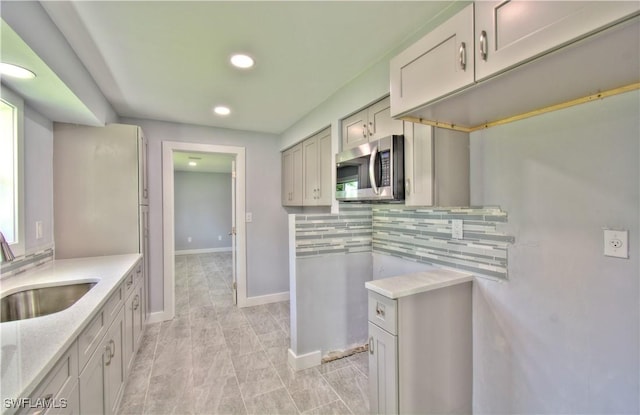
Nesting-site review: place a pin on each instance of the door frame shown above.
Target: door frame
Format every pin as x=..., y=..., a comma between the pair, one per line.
x=168, y=218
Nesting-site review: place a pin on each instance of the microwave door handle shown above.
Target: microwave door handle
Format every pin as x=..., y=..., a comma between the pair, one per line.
x=372, y=172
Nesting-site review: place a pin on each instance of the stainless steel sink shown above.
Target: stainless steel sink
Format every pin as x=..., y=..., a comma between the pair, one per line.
x=41, y=301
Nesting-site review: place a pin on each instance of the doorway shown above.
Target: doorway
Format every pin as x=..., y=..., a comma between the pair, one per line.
x=172, y=151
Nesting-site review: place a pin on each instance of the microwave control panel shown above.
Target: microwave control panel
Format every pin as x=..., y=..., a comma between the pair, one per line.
x=385, y=167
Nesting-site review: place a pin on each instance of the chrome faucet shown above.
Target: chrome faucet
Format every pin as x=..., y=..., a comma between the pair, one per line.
x=5, y=250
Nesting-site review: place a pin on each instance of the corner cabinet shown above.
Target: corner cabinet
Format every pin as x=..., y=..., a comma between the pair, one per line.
x=436, y=166
x=306, y=172
x=369, y=124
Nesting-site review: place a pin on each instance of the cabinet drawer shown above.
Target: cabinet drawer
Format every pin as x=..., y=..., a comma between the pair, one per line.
x=94, y=332
x=383, y=312
x=129, y=282
x=57, y=384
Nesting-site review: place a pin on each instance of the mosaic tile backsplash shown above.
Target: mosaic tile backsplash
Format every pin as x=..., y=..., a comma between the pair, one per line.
x=326, y=234
x=416, y=234
x=22, y=264
x=424, y=235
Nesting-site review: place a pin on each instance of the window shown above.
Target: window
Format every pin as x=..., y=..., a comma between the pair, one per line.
x=11, y=170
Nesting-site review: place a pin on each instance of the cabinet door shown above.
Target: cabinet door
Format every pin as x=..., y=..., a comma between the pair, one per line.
x=354, y=130
x=508, y=33
x=418, y=165
x=115, y=366
x=380, y=122
x=143, y=176
x=383, y=371
x=144, y=250
x=310, y=171
x=292, y=176
x=92, y=383
x=326, y=164
x=436, y=65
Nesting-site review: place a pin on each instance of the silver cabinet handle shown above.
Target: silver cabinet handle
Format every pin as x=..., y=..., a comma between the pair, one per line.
x=372, y=130
x=107, y=349
x=113, y=350
x=372, y=172
x=407, y=187
x=136, y=302
x=483, y=45
x=379, y=311
x=463, y=56
x=370, y=344
x=364, y=130
x=129, y=283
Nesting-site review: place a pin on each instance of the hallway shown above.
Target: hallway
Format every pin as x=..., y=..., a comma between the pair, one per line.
x=215, y=358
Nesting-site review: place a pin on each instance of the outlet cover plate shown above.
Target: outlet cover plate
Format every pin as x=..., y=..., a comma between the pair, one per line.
x=616, y=243
x=456, y=229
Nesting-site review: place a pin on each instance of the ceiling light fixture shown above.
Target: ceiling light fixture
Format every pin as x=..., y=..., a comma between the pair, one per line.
x=16, y=71
x=222, y=110
x=242, y=61
x=193, y=163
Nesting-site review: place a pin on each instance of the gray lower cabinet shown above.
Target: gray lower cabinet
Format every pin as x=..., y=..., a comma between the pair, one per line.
x=383, y=371
x=420, y=355
x=57, y=394
x=134, y=319
x=102, y=379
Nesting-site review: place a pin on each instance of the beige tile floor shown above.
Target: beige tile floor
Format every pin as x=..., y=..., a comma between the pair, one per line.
x=214, y=358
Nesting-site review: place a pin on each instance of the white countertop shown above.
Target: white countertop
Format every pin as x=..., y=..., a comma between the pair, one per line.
x=410, y=284
x=31, y=347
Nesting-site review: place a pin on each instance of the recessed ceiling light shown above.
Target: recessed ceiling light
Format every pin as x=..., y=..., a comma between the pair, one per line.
x=193, y=163
x=16, y=71
x=222, y=110
x=242, y=61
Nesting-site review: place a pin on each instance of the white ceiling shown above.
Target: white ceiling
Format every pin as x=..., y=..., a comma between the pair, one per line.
x=168, y=60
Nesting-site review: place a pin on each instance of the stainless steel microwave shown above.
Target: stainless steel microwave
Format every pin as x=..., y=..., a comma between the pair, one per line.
x=372, y=171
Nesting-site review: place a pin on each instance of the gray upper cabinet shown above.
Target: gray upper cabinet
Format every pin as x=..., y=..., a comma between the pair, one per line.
x=317, y=166
x=369, y=124
x=292, y=176
x=508, y=33
x=436, y=166
x=495, y=60
x=437, y=64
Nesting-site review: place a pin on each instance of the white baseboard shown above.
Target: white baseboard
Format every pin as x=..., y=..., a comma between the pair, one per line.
x=156, y=317
x=266, y=299
x=304, y=361
x=203, y=251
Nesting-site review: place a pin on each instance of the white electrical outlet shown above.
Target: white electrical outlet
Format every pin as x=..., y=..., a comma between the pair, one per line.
x=456, y=229
x=616, y=243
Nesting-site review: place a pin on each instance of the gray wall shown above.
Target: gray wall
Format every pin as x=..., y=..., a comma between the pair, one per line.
x=202, y=210
x=267, y=263
x=38, y=180
x=562, y=336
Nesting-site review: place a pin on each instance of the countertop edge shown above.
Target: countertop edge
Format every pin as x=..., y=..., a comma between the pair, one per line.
x=418, y=286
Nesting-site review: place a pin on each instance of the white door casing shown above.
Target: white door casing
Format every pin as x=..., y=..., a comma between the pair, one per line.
x=168, y=149
x=234, y=254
